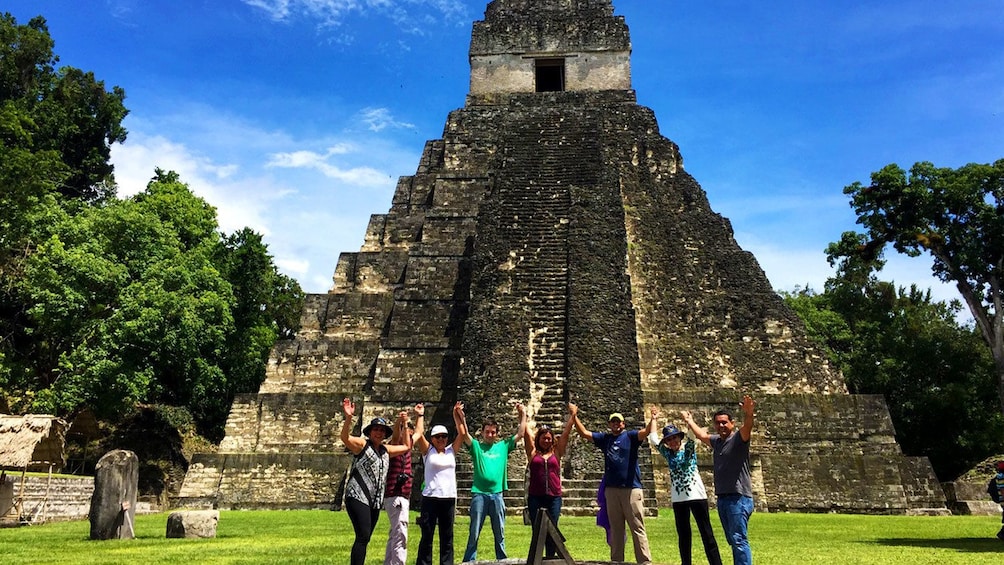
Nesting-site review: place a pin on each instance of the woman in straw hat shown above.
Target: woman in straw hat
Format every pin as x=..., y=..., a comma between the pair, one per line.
x=367, y=477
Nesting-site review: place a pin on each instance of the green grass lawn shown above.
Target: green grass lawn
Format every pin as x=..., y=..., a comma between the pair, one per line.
x=325, y=537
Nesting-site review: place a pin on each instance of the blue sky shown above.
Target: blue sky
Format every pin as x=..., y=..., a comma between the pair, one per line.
x=296, y=117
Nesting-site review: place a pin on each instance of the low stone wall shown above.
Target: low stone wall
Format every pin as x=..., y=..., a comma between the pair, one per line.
x=58, y=499
x=970, y=498
x=263, y=481
x=47, y=499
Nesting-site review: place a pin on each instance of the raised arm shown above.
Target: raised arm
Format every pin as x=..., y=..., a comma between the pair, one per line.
x=400, y=429
x=747, y=407
x=699, y=432
x=521, y=429
x=419, y=423
x=355, y=444
x=581, y=429
x=566, y=435
x=460, y=420
x=395, y=450
x=401, y=443
x=419, y=436
x=650, y=428
x=528, y=445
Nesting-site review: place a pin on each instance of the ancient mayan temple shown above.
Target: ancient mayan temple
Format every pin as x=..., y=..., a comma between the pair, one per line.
x=551, y=247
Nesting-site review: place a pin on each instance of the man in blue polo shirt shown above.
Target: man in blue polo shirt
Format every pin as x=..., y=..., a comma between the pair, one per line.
x=622, y=481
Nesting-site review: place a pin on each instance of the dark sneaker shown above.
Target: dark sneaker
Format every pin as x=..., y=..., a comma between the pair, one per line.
x=1000, y=534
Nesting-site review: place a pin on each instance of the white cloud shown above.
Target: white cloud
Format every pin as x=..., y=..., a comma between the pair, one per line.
x=379, y=118
x=333, y=13
x=254, y=178
x=136, y=160
x=294, y=267
x=276, y=9
x=306, y=158
x=122, y=10
x=239, y=202
x=360, y=176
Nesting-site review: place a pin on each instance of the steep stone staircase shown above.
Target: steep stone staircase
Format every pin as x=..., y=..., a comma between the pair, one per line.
x=545, y=156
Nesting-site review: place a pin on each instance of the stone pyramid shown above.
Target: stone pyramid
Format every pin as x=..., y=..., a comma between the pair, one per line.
x=551, y=247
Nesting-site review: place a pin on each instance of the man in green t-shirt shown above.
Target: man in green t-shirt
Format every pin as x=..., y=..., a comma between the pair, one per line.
x=489, y=459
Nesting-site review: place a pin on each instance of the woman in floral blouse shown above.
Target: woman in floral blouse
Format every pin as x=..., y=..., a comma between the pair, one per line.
x=689, y=495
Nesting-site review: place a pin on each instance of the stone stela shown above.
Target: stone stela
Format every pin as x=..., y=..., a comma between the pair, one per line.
x=551, y=246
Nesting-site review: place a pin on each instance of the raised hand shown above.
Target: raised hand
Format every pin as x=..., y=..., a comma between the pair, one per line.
x=747, y=405
x=348, y=407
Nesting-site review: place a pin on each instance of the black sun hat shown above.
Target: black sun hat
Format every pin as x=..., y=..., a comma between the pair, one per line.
x=671, y=431
x=382, y=422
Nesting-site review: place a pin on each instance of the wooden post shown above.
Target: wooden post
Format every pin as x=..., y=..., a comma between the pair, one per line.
x=45, y=499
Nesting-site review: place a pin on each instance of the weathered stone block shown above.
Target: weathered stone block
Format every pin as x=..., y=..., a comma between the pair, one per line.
x=192, y=524
x=970, y=498
x=113, y=504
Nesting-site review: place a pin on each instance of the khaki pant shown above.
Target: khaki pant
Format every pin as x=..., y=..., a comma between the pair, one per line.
x=627, y=505
x=397, y=538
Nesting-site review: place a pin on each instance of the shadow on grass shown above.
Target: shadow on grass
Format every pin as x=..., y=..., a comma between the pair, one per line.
x=969, y=545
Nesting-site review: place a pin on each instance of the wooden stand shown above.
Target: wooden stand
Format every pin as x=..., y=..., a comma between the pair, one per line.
x=544, y=529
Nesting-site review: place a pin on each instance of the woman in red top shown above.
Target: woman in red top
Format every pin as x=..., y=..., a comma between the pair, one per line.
x=544, y=453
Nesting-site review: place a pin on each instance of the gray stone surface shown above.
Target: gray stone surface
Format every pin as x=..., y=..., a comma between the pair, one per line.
x=63, y=498
x=969, y=497
x=193, y=524
x=113, y=503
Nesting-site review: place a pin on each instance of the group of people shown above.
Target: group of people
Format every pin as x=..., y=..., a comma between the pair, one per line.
x=622, y=497
x=380, y=478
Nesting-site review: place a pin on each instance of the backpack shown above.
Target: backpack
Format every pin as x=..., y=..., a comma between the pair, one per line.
x=992, y=490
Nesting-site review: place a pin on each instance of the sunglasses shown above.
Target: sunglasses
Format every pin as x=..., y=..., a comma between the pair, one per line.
x=440, y=436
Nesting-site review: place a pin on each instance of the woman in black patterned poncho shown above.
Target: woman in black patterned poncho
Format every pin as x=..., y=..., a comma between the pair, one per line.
x=368, y=477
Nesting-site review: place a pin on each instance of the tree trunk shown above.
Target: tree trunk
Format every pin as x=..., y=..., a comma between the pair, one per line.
x=999, y=365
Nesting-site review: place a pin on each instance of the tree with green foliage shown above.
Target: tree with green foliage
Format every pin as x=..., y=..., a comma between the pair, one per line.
x=267, y=303
x=56, y=128
x=267, y=306
x=66, y=110
x=127, y=305
x=902, y=344
x=109, y=303
x=143, y=301
x=955, y=215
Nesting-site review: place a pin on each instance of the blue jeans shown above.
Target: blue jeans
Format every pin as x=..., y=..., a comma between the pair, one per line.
x=734, y=510
x=493, y=506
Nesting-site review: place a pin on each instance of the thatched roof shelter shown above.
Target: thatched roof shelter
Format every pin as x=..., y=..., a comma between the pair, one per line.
x=32, y=442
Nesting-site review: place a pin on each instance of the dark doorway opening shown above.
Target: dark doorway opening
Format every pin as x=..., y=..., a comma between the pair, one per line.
x=549, y=75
